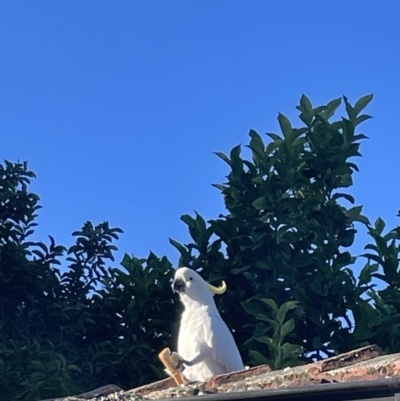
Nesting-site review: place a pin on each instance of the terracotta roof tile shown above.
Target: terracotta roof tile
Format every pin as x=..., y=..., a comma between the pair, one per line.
x=361, y=365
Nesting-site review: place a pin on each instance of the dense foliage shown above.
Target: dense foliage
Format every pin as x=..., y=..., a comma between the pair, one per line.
x=283, y=246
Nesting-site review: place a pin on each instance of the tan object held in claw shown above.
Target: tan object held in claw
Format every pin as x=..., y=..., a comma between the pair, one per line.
x=171, y=362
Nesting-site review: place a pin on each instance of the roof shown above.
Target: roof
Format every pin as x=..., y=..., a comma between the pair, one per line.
x=362, y=374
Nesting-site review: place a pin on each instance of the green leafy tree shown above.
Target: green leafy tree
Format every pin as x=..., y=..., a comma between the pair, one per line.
x=65, y=333
x=29, y=364
x=378, y=318
x=286, y=231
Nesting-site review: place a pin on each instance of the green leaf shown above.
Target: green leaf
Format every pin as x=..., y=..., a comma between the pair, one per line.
x=362, y=118
x=251, y=307
x=281, y=232
x=200, y=223
x=284, y=309
x=343, y=259
x=275, y=137
x=264, y=340
x=220, y=187
x=285, y=125
x=240, y=270
x=346, y=237
x=224, y=157
x=75, y=368
x=271, y=303
x=366, y=273
x=291, y=352
x=373, y=257
x=363, y=219
x=236, y=161
x=257, y=145
x=261, y=203
x=306, y=110
x=235, y=152
x=346, y=180
x=264, y=318
x=331, y=108
x=359, y=137
x=257, y=358
x=354, y=214
x=350, y=110
x=318, y=110
x=345, y=196
x=362, y=103
x=189, y=220
x=287, y=328
x=372, y=247
x=379, y=226
x=306, y=104
x=182, y=249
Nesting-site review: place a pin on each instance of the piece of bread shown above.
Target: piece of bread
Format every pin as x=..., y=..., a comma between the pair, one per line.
x=173, y=365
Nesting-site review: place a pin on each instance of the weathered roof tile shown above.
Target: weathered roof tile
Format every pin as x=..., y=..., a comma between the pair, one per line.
x=361, y=365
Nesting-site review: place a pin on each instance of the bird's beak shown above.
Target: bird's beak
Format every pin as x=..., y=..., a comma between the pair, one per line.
x=178, y=285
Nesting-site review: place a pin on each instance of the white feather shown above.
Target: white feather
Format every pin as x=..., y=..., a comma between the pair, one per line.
x=204, y=339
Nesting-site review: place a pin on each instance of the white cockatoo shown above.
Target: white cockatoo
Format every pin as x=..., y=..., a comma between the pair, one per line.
x=205, y=344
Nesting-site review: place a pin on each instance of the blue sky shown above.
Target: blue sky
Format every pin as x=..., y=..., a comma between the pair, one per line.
x=119, y=106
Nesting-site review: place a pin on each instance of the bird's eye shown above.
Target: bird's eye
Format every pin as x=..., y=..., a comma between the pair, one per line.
x=191, y=278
